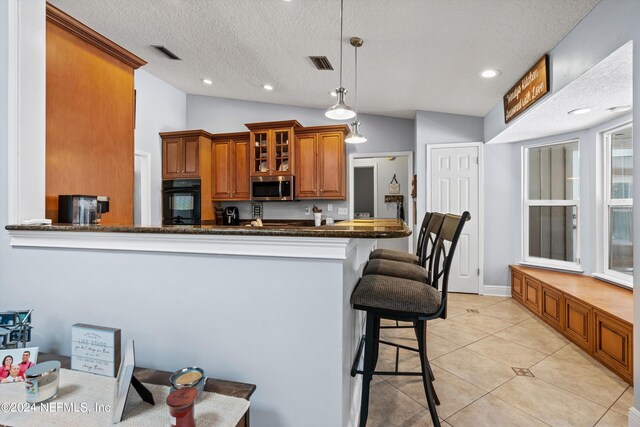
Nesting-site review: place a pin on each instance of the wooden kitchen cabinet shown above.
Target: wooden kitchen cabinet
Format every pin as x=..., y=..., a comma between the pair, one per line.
x=613, y=343
x=578, y=323
x=320, y=166
x=532, y=294
x=272, y=148
x=184, y=153
x=552, y=307
x=516, y=285
x=230, y=167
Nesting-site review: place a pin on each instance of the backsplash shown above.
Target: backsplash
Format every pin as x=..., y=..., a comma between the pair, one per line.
x=292, y=210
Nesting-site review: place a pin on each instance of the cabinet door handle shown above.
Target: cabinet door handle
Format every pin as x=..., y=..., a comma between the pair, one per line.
x=321, y=190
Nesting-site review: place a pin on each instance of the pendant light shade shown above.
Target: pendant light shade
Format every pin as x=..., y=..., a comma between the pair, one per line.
x=340, y=111
x=354, y=136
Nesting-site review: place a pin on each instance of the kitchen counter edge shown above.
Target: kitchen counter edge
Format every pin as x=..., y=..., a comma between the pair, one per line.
x=369, y=230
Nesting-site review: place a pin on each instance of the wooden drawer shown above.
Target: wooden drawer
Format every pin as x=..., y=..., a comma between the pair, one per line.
x=531, y=294
x=516, y=286
x=552, y=307
x=613, y=344
x=578, y=323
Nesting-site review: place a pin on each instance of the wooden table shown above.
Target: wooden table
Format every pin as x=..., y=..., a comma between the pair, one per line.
x=153, y=376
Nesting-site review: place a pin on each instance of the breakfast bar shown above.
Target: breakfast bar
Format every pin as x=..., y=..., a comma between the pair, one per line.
x=259, y=305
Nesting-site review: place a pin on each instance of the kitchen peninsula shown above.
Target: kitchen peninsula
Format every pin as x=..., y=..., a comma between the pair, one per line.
x=264, y=305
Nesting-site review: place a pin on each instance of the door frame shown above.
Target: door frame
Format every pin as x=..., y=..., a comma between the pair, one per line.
x=375, y=189
x=480, y=146
x=145, y=186
x=408, y=206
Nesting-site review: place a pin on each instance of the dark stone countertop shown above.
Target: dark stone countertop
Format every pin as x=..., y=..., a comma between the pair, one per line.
x=356, y=229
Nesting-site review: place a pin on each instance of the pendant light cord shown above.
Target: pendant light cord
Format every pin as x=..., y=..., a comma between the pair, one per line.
x=356, y=85
x=341, y=14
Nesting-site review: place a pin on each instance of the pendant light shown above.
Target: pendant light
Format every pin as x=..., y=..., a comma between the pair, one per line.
x=340, y=111
x=354, y=136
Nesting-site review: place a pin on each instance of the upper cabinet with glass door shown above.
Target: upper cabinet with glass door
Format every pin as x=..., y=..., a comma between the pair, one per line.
x=272, y=147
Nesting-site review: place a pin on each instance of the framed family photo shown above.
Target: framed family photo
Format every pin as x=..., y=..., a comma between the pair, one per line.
x=15, y=363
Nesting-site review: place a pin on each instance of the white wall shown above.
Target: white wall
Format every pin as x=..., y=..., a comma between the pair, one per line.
x=219, y=115
x=159, y=108
x=439, y=128
x=4, y=69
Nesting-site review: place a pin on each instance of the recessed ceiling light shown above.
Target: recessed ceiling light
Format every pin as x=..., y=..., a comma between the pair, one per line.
x=620, y=108
x=207, y=81
x=333, y=93
x=578, y=111
x=489, y=74
x=267, y=87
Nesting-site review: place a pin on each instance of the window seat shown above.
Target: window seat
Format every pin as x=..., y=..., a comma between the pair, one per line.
x=595, y=315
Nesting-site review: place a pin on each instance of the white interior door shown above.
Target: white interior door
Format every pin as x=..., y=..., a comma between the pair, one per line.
x=454, y=188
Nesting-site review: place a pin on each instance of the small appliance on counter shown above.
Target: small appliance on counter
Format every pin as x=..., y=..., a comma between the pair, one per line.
x=103, y=207
x=230, y=216
x=77, y=209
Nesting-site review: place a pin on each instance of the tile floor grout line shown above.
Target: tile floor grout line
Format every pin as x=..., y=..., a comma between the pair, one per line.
x=521, y=410
x=569, y=391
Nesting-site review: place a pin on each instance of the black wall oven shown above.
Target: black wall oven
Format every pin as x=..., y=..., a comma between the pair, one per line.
x=181, y=202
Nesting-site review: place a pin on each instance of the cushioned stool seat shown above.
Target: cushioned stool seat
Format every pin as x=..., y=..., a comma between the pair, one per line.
x=394, y=255
x=403, y=270
x=393, y=293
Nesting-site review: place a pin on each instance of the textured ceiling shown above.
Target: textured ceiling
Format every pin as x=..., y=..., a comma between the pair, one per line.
x=417, y=55
x=608, y=84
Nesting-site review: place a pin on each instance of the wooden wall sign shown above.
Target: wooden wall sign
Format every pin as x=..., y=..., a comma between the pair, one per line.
x=531, y=87
x=95, y=349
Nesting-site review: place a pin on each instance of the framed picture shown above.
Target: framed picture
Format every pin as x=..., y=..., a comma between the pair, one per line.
x=125, y=379
x=15, y=363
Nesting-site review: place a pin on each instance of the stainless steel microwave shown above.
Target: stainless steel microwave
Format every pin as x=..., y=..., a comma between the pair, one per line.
x=272, y=188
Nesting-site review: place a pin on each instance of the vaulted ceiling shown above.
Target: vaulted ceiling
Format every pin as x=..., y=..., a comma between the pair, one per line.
x=417, y=54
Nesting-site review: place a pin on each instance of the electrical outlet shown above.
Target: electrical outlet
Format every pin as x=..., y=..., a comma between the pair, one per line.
x=307, y=210
x=329, y=207
x=343, y=211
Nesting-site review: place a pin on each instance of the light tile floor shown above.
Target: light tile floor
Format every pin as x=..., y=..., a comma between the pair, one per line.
x=473, y=355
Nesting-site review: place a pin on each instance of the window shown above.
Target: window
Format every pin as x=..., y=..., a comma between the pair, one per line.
x=618, y=203
x=551, y=205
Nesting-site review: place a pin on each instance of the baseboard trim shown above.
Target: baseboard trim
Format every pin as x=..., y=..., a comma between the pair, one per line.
x=497, y=291
x=634, y=417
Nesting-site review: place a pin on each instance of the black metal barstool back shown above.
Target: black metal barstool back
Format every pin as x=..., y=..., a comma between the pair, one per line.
x=400, y=256
x=442, y=256
x=410, y=270
x=429, y=242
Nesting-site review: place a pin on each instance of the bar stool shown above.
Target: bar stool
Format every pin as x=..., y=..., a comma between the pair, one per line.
x=405, y=270
x=405, y=256
x=386, y=297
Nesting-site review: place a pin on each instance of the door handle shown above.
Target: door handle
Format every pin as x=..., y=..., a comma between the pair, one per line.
x=280, y=189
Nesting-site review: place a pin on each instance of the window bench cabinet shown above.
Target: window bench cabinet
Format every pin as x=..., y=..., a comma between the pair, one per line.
x=595, y=315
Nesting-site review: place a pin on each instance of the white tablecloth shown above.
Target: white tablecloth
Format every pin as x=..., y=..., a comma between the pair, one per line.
x=81, y=395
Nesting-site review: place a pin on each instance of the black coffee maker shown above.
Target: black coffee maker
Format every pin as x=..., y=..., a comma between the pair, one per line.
x=230, y=216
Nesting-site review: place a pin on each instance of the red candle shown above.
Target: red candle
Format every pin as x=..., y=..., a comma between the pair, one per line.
x=181, y=403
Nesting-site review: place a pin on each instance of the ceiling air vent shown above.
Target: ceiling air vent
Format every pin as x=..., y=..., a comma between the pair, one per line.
x=167, y=52
x=321, y=62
